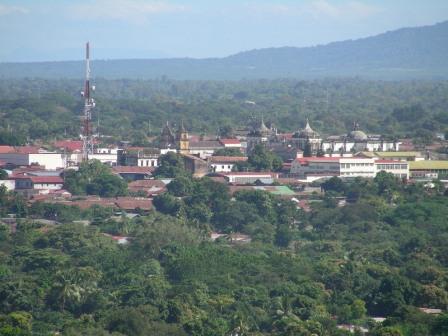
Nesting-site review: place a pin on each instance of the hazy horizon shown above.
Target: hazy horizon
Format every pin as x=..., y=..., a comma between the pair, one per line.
x=117, y=29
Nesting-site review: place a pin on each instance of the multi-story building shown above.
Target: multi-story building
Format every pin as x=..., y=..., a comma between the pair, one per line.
x=428, y=169
x=317, y=167
x=140, y=157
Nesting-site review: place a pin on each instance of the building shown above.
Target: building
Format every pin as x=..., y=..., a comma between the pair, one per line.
x=150, y=187
x=219, y=164
x=230, y=143
x=259, y=133
x=428, y=169
x=108, y=156
x=319, y=167
x=133, y=173
x=356, y=141
x=182, y=140
x=204, y=148
x=249, y=177
x=307, y=139
x=32, y=185
x=140, y=157
x=398, y=156
x=167, y=137
x=31, y=155
x=196, y=166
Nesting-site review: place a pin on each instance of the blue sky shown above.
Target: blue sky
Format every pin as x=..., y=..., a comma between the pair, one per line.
x=36, y=30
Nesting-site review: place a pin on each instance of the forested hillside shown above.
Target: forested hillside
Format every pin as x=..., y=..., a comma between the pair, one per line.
x=409, y=53
x=134, y=109
x=382, y=255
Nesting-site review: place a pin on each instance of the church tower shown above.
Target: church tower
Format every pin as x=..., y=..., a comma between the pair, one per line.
x=167, y=139
x=183, y=144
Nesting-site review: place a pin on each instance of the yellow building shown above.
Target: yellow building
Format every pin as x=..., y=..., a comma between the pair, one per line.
x=428, y=169
x=183, y=143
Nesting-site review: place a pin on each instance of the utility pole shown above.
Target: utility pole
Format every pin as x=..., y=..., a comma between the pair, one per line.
x=86, y=118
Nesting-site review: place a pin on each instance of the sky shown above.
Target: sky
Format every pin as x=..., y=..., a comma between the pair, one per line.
x=53, y=30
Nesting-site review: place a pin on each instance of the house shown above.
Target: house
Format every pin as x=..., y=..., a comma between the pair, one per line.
x=140, y=156
x=428, y=169
x=32, y=185
x=150, y=187
x=106, y=155
x=131, y=204
x=29, y=155
x=133, y=173
x=224, y=163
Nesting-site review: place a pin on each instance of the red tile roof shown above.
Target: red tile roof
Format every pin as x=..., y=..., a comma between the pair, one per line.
x=19, y=149
x=70, y=145
x=6, y=149
x=47, y=179
x=131, y=203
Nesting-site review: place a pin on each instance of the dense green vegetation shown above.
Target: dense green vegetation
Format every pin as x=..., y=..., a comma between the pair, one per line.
x=94, y=178
x=383, y=254
x=131, y=109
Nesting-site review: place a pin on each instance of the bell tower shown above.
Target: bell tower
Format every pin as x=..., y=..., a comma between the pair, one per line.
x=183, y=143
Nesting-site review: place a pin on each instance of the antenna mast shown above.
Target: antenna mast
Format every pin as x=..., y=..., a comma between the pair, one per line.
x=86, y=119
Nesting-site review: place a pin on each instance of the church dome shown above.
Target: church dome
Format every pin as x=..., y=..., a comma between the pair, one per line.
x=357, y=134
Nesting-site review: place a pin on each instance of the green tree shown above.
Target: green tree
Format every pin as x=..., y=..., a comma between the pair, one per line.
x=3, y=174
x=171, y=165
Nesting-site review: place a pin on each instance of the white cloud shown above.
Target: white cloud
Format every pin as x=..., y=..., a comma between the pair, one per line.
x=135, y=11
x=6, y=10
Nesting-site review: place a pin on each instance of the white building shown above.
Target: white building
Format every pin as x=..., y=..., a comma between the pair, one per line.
x=309, y=167
x=204, y=148
x=249, y=177
x=356, y=141
x=220, y=164
x=30, y=185
x=28, y=155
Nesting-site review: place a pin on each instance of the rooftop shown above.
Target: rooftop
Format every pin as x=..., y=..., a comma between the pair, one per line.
x=429, y=165
x=205, y=144
x=133, y=170
x=393, y=154
x=229, y=159
x=230, y=141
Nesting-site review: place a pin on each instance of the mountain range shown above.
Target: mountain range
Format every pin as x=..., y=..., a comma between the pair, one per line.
x=407, y=53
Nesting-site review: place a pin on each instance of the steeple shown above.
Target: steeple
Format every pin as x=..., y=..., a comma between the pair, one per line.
x=183, y=143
